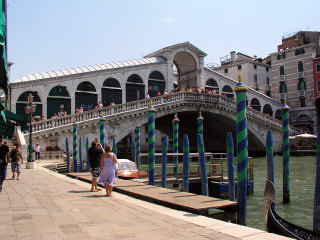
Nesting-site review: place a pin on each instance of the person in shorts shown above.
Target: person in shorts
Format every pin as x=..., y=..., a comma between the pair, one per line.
x=95, y=152
x=16, y=161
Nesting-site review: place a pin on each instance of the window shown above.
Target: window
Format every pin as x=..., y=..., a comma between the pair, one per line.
x=302, y=85
x=302, y=101
x=283, y=88
x=299, y=51
x=318, y=67
x=318, y=85
x=267, y=69
x=226, y=70
x=255, y=78
x=281, y=69
x=281, y=56
x=255, y=66
x=268, y=81
x=239, y=67
x=300, y=66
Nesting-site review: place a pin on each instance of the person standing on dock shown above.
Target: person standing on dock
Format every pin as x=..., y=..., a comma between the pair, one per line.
x=108, y=165
x=95, y=152
x=4, y=149
x=16, y=161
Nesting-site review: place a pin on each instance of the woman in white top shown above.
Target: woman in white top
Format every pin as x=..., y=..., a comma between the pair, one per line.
x=107, y=166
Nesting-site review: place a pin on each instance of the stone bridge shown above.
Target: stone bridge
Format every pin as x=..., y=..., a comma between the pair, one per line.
x=218, y=111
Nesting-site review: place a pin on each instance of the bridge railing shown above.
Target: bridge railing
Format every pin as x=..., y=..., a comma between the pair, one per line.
x=142, y=104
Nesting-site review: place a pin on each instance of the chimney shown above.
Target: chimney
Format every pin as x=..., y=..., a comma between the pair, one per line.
x=233, y=56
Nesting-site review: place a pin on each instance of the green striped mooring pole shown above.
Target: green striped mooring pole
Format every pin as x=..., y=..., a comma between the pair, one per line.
x=102, y=123
x=75, y=146
x=138, y=145
x=175, y=123
x=151, y=144
x=200, y=123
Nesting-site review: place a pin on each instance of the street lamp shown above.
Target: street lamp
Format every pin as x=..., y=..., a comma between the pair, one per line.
x=30, y=109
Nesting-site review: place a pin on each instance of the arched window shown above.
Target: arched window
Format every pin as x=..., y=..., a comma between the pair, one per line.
x=255, y=104
x=111, y=92
x=300, y=66
x=267, y=109
x=156, y=83
x=255, y=78
x=211, y=84
x=86, y=96
x=227, y=90
x=57, y=99
x=134, y=88
x=281, y=69
x=268, y=81
x=23, y=101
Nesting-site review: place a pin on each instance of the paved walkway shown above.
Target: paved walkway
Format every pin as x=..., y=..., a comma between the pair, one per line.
x=47, y=205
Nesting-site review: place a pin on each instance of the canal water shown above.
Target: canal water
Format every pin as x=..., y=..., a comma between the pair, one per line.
x=302, y=180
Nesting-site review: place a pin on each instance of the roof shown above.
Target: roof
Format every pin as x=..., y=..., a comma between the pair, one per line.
x=87, y=69
x=179, y=45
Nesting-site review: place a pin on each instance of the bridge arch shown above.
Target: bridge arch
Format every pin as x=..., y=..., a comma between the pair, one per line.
x=255, y=104
x=111, y=91
x=86, y=96
x=211, y=84
x=186, y=66
x=227, y=90
x=267, y=109
x=156, y=83
x=135, y=88
x=23, y=101
x=58, y=98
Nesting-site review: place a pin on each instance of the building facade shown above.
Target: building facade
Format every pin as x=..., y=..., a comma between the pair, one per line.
x=293, y=78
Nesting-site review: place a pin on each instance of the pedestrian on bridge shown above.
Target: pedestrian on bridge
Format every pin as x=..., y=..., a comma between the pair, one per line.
x=95, y=152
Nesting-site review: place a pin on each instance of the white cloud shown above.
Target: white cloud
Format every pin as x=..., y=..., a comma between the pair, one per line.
x=168, y=19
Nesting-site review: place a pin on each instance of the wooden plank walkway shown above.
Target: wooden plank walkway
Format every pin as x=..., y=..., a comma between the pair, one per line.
x=189, y=202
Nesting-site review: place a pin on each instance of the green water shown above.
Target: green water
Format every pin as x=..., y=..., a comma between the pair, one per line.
x=302, y=180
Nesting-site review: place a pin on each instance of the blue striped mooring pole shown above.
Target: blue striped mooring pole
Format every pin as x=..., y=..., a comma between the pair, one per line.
x=242, y=151
x=316, y=206
x=87, y=154
x=230, y=154
x=138, y=144
x=186, y=159
x=164, y=161
x=80, y=154
x=286, y=152
x=270, y=163
x=68, y=156
x=75, y=146
x=200, y=123
x=134, y=153
x=114, y=147
x=151, y=144
x=102, y=123
x=175, y=123
x=203, y=166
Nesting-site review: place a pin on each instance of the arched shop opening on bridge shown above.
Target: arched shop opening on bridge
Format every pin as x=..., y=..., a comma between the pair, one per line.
x=23, y=101
x=86, y=96
x=267, y=109
x=135, y=88
x=111, y=92
x=211, y=84
x=227, y=91
x=185, y=70
x=156, y=83
x=58, y=98
x=255, y=104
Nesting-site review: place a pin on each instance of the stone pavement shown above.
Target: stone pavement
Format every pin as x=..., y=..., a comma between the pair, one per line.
x=47, y=205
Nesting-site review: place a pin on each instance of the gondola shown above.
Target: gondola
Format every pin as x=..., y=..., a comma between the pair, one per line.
x=276, y=224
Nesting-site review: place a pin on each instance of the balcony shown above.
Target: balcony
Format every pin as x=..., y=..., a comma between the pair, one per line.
x=282, y=78
x=283, y=95
x=300, y=75
x=302, y=93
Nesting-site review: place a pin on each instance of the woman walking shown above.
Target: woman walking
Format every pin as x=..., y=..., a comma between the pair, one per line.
x=107, y=166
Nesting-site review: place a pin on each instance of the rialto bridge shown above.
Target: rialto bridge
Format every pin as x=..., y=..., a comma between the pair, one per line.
x=127, y=84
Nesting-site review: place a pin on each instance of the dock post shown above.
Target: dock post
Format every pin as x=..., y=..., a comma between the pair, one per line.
x=68, y=156
x=242, y=151
x=138, y=145
x=114, y=147
x=102, y=123
x=316, y=206
x=270, y=163
x=151, y=144
x=230, y=154
x=75, y=146
x=164, y=161
x=200, y=123
x=87, y=154
x=80, y=154
x=134, y=153
x=286, y=152
x=203, y=166
x=186, y=160
x=175, y=123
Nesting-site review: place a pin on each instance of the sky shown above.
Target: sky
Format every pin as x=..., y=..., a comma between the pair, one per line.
x=46, y=35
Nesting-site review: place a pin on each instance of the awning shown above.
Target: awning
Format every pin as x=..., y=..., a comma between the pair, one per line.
x=15, y=117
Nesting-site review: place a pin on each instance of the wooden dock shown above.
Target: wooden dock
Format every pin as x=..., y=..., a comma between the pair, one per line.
x=189, y=202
